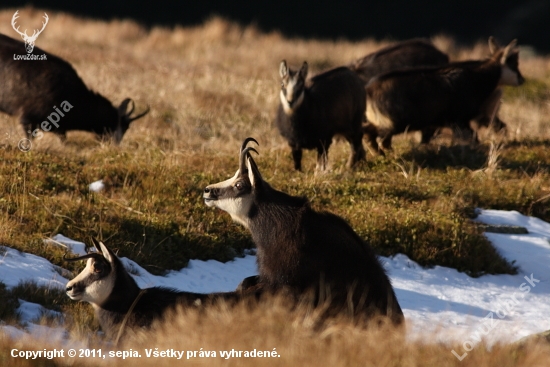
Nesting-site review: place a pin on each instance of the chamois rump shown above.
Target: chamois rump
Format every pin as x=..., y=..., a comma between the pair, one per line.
x=114, y=294
x=416, y=52
x=313, y=111
x=426, y=99
x=302, y=250
x=33, y=89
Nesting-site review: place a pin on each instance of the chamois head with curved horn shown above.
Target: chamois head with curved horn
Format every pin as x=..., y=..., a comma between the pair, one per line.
x=509, y=60
x=237, y=194
x=125, y=118
x=95, y=283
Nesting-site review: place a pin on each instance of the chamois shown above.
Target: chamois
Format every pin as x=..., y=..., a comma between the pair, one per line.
x=429, y=98
x=302, y=250
x=33, y=90
x=313, y=111
x=416, y=52
x=115, y=295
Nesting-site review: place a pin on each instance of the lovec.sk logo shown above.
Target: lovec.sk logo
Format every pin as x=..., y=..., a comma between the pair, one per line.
x=29, y=40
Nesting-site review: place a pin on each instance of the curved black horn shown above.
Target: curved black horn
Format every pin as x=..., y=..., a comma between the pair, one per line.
x=244, y=153
x=124, y=106
x=246, y=141
x=130, y=119
x=83, y=257
x=131, y=108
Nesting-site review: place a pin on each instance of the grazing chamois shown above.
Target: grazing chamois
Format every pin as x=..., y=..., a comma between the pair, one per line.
x=412, y=53
x=302, y=250
x=115, y=295
x=37, y=91
x=313, y=111
x=429, y=98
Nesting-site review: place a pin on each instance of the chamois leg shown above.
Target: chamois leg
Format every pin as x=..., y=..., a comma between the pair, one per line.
x=322, y=155
x=357, y=150
x=371, y=132
x=28, y=126
x=463, y=132
x=386, y=142
x=488, y=115
x=297, y=157
x=427, y=134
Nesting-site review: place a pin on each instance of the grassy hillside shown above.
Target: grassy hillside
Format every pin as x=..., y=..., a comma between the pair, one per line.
x=211, y=86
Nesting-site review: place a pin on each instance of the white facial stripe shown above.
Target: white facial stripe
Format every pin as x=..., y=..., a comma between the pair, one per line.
x=98, y=292
x=288, y=97
x=95, y=293
x=237, y=207
x=226, y=183
x=289, y=110
x=220, y=185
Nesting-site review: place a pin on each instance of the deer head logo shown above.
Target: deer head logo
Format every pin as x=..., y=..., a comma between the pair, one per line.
x=29, y=40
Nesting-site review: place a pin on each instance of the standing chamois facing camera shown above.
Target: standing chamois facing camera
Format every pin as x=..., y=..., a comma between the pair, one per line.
x=120, y=305
x=303, y=250
x=313, y=111
x=48, y=95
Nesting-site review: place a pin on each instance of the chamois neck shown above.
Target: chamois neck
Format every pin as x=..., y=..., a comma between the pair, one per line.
x=272, y=215
x=123, y=294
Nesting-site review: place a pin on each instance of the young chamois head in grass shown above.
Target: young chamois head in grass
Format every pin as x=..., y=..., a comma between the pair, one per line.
x=115, y=295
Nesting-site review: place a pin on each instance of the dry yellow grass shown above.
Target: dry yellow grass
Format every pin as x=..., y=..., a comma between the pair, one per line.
x=208, y=88
x=290, y=336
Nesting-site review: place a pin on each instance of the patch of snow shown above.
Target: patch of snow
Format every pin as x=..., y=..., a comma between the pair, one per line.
x=76, y=247
x=17, y=267
x=97, y=186
x=29, y=312
x=439, y=299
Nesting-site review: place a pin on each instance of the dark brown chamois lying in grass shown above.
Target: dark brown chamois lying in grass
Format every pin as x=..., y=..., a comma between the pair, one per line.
x=302, y=250
x=115, y=295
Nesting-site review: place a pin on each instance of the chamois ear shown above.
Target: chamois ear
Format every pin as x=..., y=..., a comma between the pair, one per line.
x=493, y=45
x=253, y=172
x=107, y=254
x=283, y=69
x=303, y=70
x=507, y=51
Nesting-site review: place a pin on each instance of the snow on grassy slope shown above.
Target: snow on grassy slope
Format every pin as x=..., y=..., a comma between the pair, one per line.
x=441, y=300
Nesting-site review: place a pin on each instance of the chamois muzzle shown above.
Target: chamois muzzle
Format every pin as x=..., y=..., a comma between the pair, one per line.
x=210, y=194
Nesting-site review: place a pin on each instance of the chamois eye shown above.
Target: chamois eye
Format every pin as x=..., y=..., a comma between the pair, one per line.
x=239, y=186
x=282, y=85
x=97, y=268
